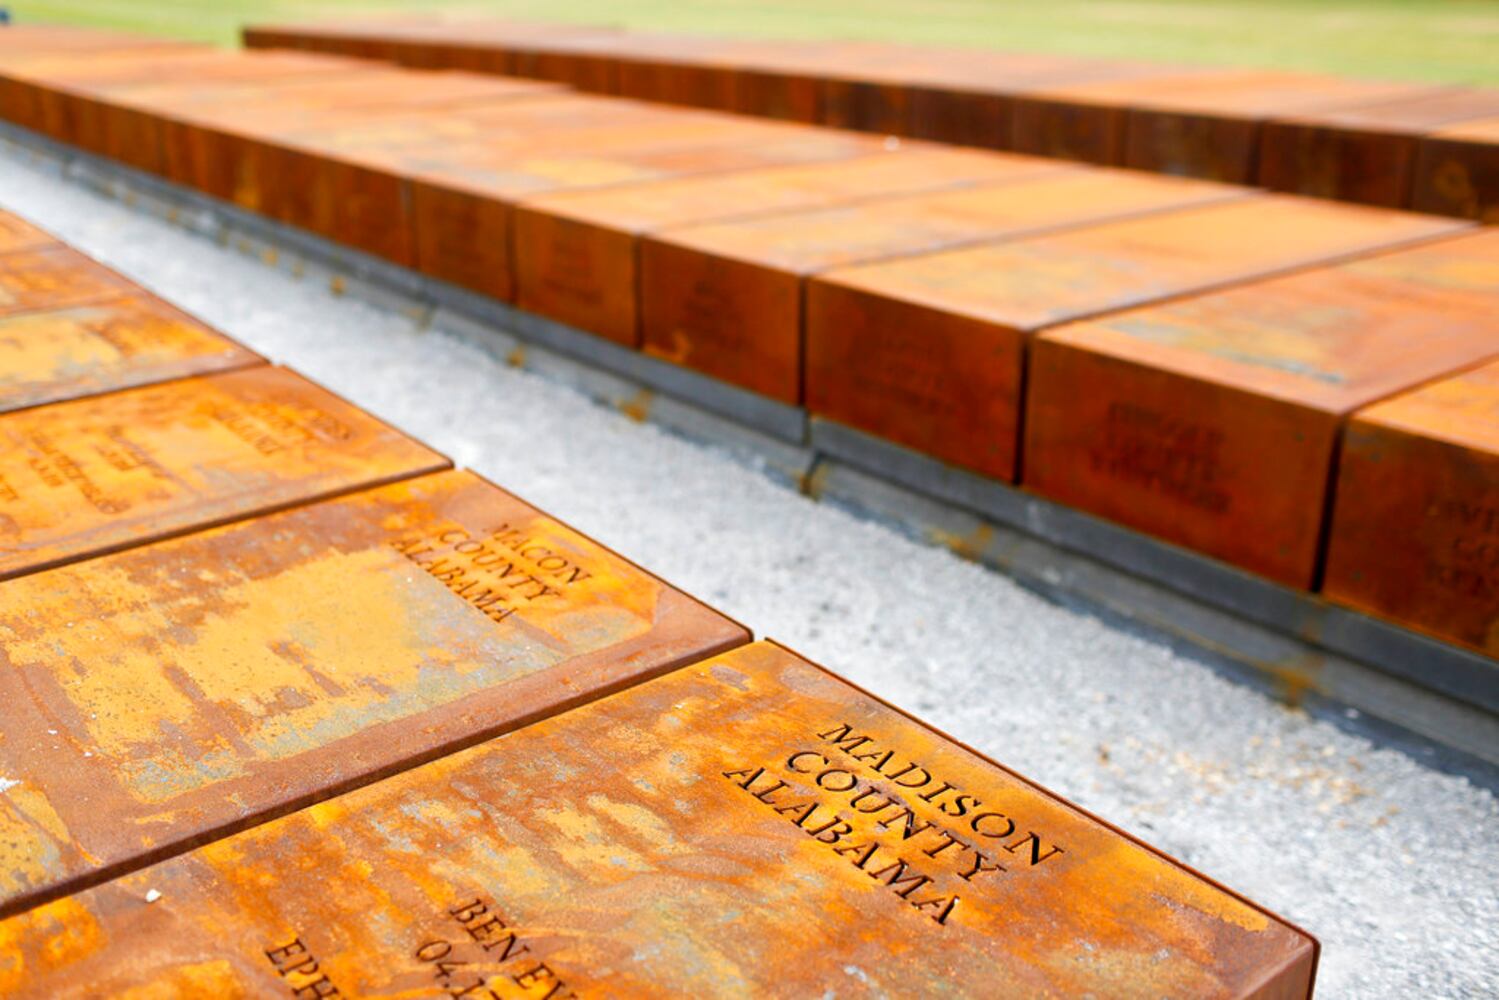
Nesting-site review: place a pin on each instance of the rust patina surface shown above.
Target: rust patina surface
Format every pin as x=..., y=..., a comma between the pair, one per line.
x=89, y=476
x=159, y=697
x=1365, y=154
x=746, y=826
x=1213, y=421
x=1415, y=530
x=1457, y=172
x=51, y=277
x=929, y=351
x=581, y=264
x=727, y=298
x=56, y=354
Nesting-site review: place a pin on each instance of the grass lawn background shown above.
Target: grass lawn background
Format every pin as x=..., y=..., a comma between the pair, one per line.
x=1440, y=40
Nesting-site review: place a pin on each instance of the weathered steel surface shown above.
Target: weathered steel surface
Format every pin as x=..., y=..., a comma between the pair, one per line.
x=57, y=354
x=148, y=117
x=746, y=826
x=464, y=206
x=1213, y=132
x=1213, y=422
x=1457, y=172
x=18, y=234
x=579, y=263
x=163, y=696
x=93, y=475
x=1084, y=119
x=929, y=351
x=1415, y=528
x=54, y=277
x=1197, y=123
x=1365, y=154
x=726, y=299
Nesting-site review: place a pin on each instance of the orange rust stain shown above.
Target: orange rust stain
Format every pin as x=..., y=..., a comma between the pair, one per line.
x=638, y=406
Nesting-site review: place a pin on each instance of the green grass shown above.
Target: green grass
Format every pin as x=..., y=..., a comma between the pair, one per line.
x=1438, y=40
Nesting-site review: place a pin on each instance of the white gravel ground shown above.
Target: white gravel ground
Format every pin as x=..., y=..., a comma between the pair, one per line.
x=1394, y=866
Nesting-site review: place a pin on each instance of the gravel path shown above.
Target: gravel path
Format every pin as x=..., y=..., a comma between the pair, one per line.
x=1394, y=866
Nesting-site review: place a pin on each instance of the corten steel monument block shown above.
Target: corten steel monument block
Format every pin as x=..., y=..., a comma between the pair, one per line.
x=580, y=250
x=1197, y=123
x=1457, y=172
x=980, y=108
x=18, y=234
x=1205, y=131
x=291, y=164
x=465, y=207
x=139, y=122
x=1214, y=422
x=746, y=825
x=726, y=299
x=56, y=354
x=54, y=277
x=1084, y=119
x=1367, y=153
x=227, y=151
x=164, y=696
x=98, y=108
x=82, y=478
x=49, y=91
x=1415, y=528
x=930, y=351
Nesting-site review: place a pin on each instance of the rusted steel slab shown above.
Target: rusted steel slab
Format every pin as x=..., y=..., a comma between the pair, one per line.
x=747, y=825
x=1415, y=529
x=580, y=249
x=1214, y=422
x=57, y=354
x=1196, y=123
x=54, y=277
x=1457, y=172
x=90, y=476
x=726, y=299
x=1080, y=114
x=1365, y=154
x=980, y=108
x=165, y=696
x=929, y=351
x=18, y=234
x=53, y=93
x=465, y=206
x=1205, y=131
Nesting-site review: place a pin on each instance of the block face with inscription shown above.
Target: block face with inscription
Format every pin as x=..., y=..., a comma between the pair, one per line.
x=54, y=277
x=56, y=354
x=580, y=263
x=749, y=825
x=1213, y=422
x=1415, y=527
x=168, y=694
x=726, y=299
x=90, y=476
x=929, y=351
